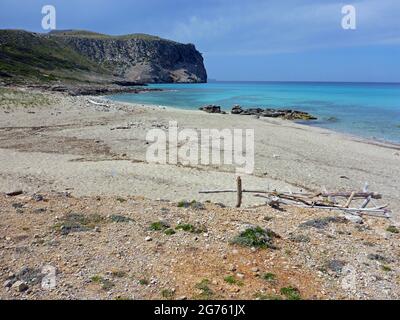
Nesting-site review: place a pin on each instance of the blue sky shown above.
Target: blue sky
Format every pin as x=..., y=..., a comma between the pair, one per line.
x=292, y=40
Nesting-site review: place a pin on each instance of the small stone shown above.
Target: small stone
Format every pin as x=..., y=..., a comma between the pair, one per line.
x=37, y=197
x=353, y=218
x=96, y=229
x=182, y=298
x=255, y=269
x=148, y=238
x=240, y=275
x=8, y=283
x=232, y=268
x=20, y=286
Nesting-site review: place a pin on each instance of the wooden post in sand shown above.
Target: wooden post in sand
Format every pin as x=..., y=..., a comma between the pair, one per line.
x=239, y=192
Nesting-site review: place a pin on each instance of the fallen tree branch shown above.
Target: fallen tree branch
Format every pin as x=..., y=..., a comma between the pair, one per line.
x=369, y=211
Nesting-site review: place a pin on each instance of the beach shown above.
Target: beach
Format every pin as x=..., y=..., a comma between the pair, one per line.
x=112, y=226
x=72, y=144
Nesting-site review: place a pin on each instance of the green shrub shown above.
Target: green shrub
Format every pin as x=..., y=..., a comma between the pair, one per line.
x=255, y=237
x=269, y=277
x=159, y=226
x=233, y=280
x=206, y=292
x=291, y=293
x=392, y=229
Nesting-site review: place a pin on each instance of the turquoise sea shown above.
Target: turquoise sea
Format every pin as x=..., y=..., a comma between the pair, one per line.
x=369, y=110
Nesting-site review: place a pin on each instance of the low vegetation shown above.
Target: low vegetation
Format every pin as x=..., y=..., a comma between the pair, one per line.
x=190, y=228
x=270, y=277
x=9, y=98
x=291, y=293
x=159, y=226
x=205, y=291
x=77, y=222
x=105, y=283
x=255, y=237
x=392, y=229
x=167, y=294
x=233, y=280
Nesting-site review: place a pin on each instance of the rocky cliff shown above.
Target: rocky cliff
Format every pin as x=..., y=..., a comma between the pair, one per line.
x=131, y=58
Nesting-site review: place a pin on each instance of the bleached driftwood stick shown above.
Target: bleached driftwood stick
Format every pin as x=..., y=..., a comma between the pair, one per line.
x=98, y=103
x=380, y=209
x=365, y=203
x=350, y=199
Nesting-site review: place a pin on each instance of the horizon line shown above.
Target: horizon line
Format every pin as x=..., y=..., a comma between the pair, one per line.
x=307, y=81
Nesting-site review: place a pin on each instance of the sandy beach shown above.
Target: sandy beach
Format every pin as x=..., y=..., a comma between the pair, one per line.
x=72, y=144
x=113, y=226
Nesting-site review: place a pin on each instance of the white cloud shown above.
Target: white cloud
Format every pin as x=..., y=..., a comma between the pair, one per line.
x=264, y=28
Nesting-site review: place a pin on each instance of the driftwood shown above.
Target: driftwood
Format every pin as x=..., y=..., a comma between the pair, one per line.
x=239, y=192
x=350, y=199
x=366, y=211
x=322, y=200
x=98, y=103
x=14, y=193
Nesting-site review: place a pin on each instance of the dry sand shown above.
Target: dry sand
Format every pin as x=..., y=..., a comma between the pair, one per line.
x=71, y=144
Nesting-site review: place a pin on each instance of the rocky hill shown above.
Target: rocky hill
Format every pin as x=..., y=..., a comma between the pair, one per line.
x=84, y=56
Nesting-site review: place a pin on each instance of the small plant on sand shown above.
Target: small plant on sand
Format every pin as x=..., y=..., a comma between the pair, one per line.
x=144, y=282
x=205, y=291
x=169, y=232
x=255, y=237
x=159, y=226
x=190, y=228
x=233, y=280
x=392, y=229
x=291, y=293
x=270, y=277
x=167, y=294
x=77, y=222
x=105, y=283
x=386, y=268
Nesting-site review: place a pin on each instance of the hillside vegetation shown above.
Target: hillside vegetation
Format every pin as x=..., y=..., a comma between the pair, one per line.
x=84, y=56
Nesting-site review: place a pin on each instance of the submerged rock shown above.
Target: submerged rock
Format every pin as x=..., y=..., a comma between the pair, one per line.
x=287, y=114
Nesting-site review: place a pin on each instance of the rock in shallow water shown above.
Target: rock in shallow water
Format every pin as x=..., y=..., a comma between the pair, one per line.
x=211, y=109
x=287, y=114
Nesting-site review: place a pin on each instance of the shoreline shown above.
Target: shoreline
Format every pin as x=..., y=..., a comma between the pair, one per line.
x=378, y=142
